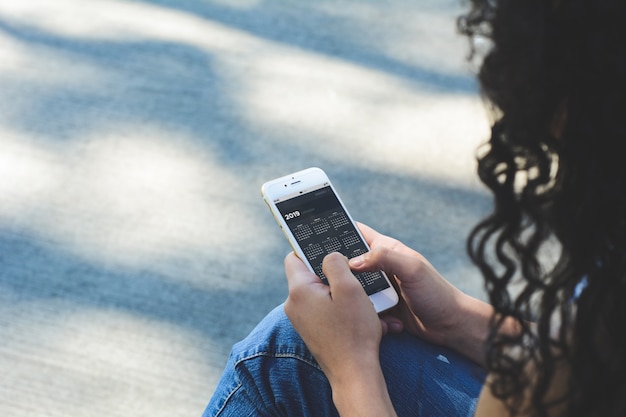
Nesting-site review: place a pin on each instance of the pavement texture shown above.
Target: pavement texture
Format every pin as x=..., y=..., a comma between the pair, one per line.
x=135, y=248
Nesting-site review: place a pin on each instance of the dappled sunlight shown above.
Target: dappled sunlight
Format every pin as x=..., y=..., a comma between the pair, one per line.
x=365, y=117
x=14, y=56
x=29, y=175
x=108, y=349
x=418, y=41
x=135, y=248
x=22, y=63
x=129, y=200
x=103, y=19
x=124, y=21
x=355, y=114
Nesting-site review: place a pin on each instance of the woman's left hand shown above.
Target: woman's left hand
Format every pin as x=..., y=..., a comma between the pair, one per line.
x=337, y=322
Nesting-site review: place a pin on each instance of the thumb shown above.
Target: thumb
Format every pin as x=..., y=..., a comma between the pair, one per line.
x=405, y=267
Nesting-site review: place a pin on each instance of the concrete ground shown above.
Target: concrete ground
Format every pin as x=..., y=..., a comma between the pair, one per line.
x=134, y=137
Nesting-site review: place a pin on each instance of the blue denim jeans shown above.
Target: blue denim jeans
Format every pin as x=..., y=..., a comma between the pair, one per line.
x=272, y=373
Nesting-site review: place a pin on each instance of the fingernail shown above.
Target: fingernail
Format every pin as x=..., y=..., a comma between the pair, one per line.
x=357, y=261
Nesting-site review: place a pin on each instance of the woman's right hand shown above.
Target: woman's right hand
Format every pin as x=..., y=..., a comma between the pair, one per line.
x=429, y=307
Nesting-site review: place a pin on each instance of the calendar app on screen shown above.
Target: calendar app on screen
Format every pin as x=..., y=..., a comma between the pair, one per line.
x=320, y=226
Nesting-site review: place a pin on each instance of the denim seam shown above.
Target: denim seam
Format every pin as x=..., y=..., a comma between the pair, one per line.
x=279, y=355
x=266, y=354
x=234, y=390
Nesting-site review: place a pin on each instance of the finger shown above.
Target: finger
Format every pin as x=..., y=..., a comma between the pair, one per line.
x=368, y=233
x=391, y=324
x=297, y=272
x=384, y=327
x=403, y=266
x=340, y=277
x=375, y=240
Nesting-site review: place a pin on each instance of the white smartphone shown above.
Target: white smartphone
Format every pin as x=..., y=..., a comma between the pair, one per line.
x=316, y=223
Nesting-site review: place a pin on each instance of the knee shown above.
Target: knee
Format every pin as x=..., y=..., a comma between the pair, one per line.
x=273, y=336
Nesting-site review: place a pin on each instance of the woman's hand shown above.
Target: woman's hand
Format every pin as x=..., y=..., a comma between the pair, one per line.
x=340, y=327
x=429, y=307
x=337, y=321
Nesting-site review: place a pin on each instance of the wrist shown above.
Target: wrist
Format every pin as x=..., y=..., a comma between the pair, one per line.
x=469, y=333
x=362, y=392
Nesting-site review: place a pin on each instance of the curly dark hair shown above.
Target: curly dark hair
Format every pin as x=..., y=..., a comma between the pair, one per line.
x=553, y=252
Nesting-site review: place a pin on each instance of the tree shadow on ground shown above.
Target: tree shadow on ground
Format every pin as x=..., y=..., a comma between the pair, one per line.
x=128, y=87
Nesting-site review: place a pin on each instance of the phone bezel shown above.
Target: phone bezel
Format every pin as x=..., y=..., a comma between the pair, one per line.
x=301, y=182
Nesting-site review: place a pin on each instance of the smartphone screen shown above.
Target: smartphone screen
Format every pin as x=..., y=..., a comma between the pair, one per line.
x=320, y=226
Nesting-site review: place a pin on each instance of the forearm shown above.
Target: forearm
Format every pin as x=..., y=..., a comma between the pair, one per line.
x=472, y=327
x=363, y=393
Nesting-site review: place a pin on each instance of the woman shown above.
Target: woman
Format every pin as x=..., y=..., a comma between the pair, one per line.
x=555, y=75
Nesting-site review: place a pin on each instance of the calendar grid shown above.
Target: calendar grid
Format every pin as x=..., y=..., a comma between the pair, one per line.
x=332, y=245
x=351, y=240
x=322, y=231
x=320, y=226
x=338, y=220
x=313, y=250
x=302, y=232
